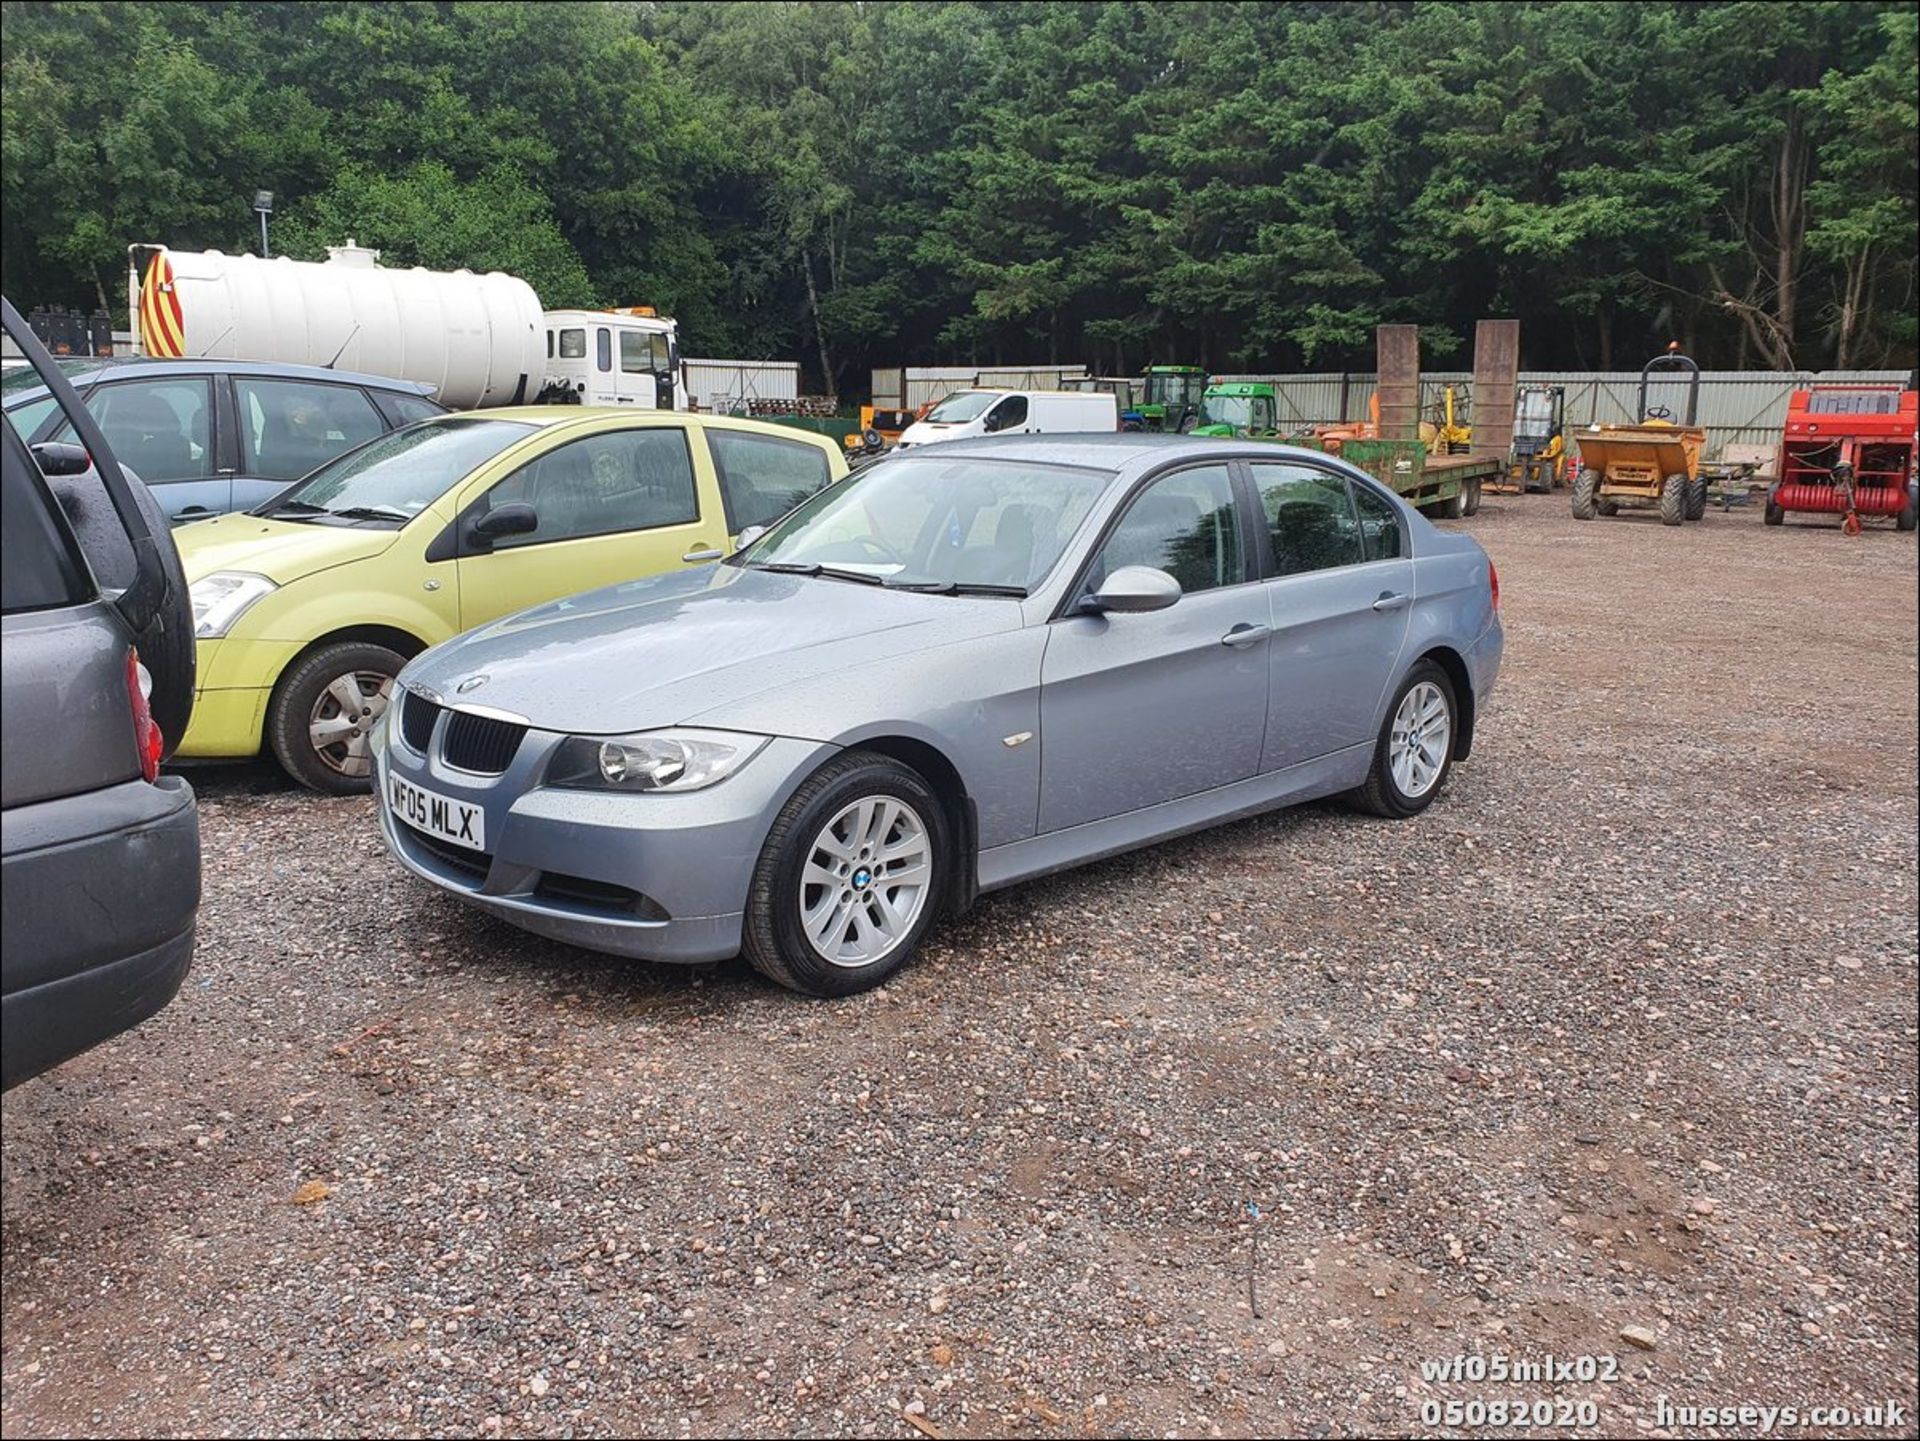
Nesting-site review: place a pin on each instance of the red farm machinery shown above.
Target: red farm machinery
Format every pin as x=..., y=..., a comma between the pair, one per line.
x=1848, y=451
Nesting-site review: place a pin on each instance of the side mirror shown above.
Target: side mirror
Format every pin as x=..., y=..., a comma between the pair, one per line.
x=516, y=518
x=749, y=536
x=59, y=458
x=1133, y=589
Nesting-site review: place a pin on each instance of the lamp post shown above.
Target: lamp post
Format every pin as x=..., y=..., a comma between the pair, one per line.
x=263, y=204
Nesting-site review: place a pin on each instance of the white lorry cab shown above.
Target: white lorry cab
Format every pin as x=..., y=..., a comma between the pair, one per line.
x=627, y=357
x=1013, y=412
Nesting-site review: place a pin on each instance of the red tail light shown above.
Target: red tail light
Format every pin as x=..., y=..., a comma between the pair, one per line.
x=146, y=734
x=1493, y=580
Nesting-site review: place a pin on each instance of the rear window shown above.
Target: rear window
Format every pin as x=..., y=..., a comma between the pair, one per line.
x=762, y=478
x=40, y=567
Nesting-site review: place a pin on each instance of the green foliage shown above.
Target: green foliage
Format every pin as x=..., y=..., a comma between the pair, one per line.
x=1253, y=185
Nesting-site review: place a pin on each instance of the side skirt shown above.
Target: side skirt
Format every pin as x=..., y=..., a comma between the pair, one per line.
x=1059, y=850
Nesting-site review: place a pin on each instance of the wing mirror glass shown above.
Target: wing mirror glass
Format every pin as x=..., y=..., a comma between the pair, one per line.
x=1133, y=589
x=516, y=518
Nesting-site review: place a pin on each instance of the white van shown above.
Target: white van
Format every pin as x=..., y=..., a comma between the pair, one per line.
x=1013, y=412
x=625, y=357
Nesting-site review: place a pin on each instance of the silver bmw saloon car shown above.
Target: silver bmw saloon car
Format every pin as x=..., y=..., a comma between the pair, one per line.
x=956, y=669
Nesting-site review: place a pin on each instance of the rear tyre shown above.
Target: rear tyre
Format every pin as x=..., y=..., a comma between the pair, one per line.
x=1697, y=498
x=1774, y=515
x=1414, y=753
x=1609, y=507
x=1673, y=499
x=1908, y=515
x=852, y=876
x=324, y=710
x=1584, y=486
x=1470, y=497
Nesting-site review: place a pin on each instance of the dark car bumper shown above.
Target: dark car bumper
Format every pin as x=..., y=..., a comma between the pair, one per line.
x=98, y=894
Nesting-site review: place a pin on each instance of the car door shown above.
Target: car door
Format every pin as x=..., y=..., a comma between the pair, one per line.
x=1008, y=416
x=609, y=507
x=1145, y=708
x=287, y=428
x=1339, y=594
x=161, y=428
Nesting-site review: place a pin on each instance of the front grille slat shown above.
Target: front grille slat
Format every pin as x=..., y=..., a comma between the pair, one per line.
x=479, y=743
x=417, y=715
x=461, y=858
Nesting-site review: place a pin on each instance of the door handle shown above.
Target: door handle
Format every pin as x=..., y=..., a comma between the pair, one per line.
x=195, y=510
x=1244, y=635
x=703, y=553
x=1392, y=600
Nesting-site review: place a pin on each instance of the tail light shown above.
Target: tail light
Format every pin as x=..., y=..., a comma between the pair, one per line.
x=146, y=735
x=1493, y=581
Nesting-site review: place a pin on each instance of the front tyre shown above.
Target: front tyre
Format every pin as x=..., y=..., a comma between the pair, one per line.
x=1697, y=498
x=1414, y=753
x=324, y=710
x=1584, y=486
x=1673, y=499
x=852, y=876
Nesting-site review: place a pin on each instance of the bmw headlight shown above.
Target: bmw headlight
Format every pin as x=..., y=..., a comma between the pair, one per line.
x=667, y=760
x=222, y=598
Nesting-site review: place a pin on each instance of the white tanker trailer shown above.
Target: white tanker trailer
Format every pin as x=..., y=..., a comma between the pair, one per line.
x=480, y=340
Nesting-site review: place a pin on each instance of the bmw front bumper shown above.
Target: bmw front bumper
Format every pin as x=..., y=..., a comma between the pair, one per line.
x=654, y=877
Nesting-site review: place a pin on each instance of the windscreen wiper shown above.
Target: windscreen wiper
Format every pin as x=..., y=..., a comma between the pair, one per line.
x=813, y=567
x=957, y=587
x=371, y=512
x=304, y=507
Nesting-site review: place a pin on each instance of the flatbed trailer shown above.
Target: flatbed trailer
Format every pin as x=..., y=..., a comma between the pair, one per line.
x=1445, y=487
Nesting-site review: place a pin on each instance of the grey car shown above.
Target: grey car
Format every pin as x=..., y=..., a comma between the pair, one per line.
x=959, y=668
x=210, y=436
x=99, y=852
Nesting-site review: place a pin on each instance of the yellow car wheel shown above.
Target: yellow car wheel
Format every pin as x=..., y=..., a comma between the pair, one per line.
x=324, y=711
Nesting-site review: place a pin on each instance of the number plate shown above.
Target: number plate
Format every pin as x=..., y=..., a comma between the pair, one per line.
x=442, y=816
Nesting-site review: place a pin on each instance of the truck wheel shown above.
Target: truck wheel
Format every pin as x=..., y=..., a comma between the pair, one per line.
x=1673, y=499
x=1697, y=498
x=1584, y=486
x=1774, y=515
x=1470, y=497
x=323, y=710
x=1909, y=514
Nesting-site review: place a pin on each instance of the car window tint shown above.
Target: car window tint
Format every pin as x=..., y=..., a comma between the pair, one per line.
x=1379, y=524
x=30, y=417
x=642, y=352
x=289, y=427
x=762, y=478
x=1182, y=524
x=603, y=349
x=405, y=409
x=1008, y=413
x=573, y=344
x=40, y=568
x=157, y=428
x=1310, y=520
x=625, y=480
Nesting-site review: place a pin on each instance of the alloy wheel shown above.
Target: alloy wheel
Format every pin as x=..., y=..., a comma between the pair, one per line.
x=866, y=879
x=1422, y=733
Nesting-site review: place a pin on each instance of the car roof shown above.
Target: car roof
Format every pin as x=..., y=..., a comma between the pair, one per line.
x=548, y=416
x=104, y=366
x=1129, y=451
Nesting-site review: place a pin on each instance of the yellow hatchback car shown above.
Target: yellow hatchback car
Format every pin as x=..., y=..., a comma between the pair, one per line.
x=307, y=607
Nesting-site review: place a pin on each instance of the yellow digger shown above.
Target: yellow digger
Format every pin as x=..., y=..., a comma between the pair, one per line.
x=1655, y=462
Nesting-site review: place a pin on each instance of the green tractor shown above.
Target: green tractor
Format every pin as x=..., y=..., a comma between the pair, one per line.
x=1244, y=408
x=1170, y=397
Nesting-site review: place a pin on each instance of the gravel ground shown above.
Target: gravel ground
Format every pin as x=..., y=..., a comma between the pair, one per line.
x=1621, y=1034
